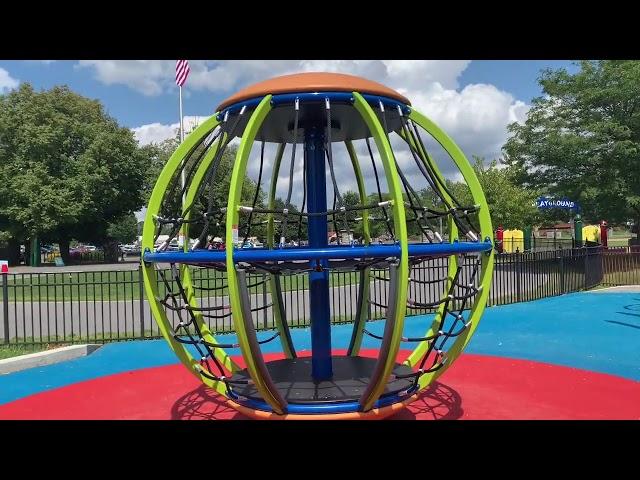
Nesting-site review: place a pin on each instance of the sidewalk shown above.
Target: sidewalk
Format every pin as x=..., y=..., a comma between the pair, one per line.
x=129, y=264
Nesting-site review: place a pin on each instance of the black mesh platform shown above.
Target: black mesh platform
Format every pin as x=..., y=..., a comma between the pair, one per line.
x=351, y=376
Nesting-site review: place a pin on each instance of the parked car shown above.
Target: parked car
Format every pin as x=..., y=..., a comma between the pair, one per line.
x=173, y=246
x=130, y=249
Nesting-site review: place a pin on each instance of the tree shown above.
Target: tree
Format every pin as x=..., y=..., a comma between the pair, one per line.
x=349, y=199
x=218, y=190
x=294, y=225
x=158, y=155
x=377, y=223
x=510, y=205
x=124, y=229
x=582, y=139
x=67, y=169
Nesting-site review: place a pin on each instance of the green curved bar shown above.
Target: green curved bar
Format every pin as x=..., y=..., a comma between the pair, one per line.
x=274, y=281
x=221, y=355
x=399, y=221
x=272, y=195
x=361, y=190
x=422, y=347
x=361, y=319
x=148, y=233
x=486, y=231
x=235, y=191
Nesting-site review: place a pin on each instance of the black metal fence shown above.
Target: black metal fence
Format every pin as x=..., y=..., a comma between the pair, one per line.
x=621, y=266
x=522, y=277
x=537, y=244
x=102, y=306
x=86, y=257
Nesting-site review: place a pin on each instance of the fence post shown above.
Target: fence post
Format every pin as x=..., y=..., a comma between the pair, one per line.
x=518, y=278
x=264, y=301
x=562, y=273
x=141, y=293
x=585, y=266
x=5, y=305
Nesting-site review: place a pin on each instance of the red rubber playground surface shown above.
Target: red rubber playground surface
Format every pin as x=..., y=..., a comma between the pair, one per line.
x=568, y=357
x=476, y=387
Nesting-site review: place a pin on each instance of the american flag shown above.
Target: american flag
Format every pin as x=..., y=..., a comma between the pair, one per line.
x=182, y=72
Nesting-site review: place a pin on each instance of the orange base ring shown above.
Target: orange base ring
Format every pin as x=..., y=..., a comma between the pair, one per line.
x=373, y=414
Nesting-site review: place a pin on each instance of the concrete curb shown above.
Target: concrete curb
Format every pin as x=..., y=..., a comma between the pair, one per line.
x=48, y=357
x=621, y=288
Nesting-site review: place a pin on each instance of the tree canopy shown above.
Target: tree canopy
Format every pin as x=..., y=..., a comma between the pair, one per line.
x=510, y=205
x=582, y=139
x=124, y=229
x=67, y=169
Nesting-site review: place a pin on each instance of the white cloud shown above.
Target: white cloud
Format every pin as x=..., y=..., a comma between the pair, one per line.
x=154, y=133
x=413, y=75
x=144, y=76
x=152, y=77
x=7, y=82
x=158, y=132
x=475, y=117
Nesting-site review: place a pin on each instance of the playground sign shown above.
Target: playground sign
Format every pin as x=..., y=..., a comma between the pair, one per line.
x=546, y=202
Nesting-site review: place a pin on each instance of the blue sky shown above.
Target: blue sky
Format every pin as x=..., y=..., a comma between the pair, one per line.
x=132, y=108
x=518, y=77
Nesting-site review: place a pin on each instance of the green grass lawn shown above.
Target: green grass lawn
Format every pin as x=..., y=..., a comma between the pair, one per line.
x=23, y=345
x=620, y=238
x=9, y=351
x=618, y=241
x=126, y=285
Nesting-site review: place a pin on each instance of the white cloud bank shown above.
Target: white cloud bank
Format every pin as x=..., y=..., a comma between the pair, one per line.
x=158, y=132
x=475, y=116
x=7, y=82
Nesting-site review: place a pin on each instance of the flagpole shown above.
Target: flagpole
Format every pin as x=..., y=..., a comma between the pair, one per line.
x=182, y=140
x=182, y=176
x=182, y=71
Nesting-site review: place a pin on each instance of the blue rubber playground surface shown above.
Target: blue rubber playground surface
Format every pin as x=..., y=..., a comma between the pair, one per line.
x=596, y=331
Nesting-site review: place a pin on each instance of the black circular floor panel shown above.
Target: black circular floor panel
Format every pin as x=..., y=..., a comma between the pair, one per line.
x=351, y=375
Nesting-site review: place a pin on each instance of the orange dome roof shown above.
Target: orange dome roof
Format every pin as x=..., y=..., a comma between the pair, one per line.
x=313, y=82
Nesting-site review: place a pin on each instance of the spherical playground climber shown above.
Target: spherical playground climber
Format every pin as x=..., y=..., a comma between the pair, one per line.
x=307, y=117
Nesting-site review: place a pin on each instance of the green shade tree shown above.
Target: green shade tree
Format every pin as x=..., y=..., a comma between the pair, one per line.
x=510, y=205
x=582, y=139
x=124, y=229
x=218, y=189
x=67, y=169
x=293, y=227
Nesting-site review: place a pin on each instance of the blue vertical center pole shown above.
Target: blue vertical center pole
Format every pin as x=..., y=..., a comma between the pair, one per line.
x=321, y=367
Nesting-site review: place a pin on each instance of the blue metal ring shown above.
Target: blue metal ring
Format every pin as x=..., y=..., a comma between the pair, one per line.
x=315, y=97
x=322, y=408
x=328, y=253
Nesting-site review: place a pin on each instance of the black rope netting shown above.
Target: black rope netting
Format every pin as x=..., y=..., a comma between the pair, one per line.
x=453, y=305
